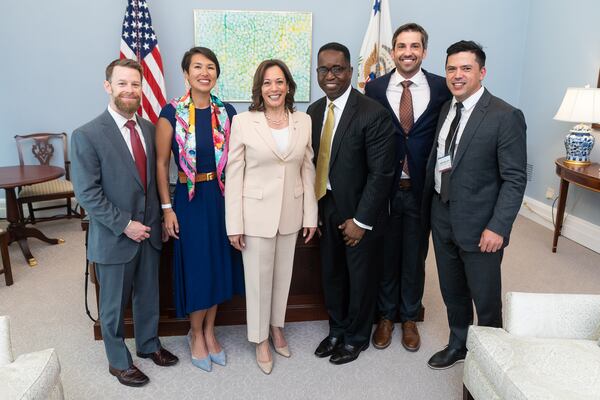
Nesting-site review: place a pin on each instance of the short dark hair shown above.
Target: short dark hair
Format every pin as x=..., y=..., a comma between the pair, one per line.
x=336, y=47
x=469, y=46
x=205, y=51
x=411, y=27
x=123, y=62
x=258, y=103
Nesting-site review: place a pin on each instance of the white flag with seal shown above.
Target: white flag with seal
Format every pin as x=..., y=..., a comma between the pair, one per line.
x=375, y=57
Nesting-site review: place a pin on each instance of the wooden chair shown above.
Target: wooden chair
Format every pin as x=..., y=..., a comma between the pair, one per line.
x=6, y=269
x=42, y=146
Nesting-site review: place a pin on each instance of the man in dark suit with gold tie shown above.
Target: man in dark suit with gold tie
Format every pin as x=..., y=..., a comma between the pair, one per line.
x=353, y=144
x=476, y=177
x=414, y=98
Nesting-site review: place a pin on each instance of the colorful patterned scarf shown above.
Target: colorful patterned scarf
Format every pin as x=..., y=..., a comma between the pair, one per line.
x=185, y=135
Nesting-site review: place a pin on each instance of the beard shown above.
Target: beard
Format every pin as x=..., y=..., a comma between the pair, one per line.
x=127, y=106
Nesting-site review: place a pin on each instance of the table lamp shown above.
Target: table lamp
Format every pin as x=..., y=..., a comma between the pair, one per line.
x=580, y=105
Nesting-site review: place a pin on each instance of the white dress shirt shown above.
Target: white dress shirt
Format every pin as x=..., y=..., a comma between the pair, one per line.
x=338, y=108
x=282, y=138
x=419, y=91
x=121, y=121
x=468, y=106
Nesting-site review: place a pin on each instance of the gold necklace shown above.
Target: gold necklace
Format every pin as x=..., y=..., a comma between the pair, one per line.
x=277, y=122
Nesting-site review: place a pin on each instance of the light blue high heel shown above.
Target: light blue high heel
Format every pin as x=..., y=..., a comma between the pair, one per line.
x=202, y=363
x=219, y=358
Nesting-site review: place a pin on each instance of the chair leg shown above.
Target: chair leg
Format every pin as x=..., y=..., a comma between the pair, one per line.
x=6, y=259
x=466, y=394
x=69, y=211
x=31, y=215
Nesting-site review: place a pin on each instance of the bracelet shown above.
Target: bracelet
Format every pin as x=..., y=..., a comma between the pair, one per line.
x=166, y=206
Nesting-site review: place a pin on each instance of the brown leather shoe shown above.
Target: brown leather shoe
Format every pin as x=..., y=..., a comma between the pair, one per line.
x=131, y=376
x=382, y=337
x=410, y=336
x=161, y=357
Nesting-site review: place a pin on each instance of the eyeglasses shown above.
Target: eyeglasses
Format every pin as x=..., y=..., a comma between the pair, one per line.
x=336, y=70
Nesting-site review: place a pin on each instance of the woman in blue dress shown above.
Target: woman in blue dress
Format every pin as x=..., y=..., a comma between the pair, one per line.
x=206, y=271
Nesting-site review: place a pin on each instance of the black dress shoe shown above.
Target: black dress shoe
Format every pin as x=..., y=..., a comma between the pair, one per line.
x=130, y=376
x=347, y=353
x=327, y=346
x=161, y=357
x=446, y=358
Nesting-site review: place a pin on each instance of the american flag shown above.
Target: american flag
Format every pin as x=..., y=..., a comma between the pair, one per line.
x=138, y=42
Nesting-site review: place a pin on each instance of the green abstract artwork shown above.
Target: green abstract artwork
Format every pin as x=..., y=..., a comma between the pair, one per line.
x=243, y=39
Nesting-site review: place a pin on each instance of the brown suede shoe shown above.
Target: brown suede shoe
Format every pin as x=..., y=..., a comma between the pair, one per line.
x=410, y=336
x=130, y=376
x=382, y=337
x=161, y=357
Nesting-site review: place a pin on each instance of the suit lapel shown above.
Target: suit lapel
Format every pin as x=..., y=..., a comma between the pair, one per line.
x=149, y=149
x=111, y=130
x=317, y=124
x=342, y=128
x=293, y=135
x=263, y=130
x=471, y=128
x=432, y=95
x=441, y=118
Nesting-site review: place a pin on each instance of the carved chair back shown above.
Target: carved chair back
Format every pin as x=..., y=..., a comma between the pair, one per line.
x=42, y=146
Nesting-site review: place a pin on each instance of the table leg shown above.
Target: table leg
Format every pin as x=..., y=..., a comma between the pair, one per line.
x=17, y=230
x=560, y=212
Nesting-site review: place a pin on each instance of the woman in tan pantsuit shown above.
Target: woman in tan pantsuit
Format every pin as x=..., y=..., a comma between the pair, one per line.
x=269, y=197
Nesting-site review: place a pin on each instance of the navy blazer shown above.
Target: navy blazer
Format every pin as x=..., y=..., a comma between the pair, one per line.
x=419, y=141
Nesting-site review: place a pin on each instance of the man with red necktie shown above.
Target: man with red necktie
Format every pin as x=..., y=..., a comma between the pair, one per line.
x=113, y=173
x=414, y=97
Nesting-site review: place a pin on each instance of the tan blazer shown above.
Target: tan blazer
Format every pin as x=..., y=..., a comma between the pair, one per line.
x=267, y=191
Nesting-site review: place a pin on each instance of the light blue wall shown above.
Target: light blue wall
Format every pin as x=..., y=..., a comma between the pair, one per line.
x=562, y=50
x=54, y=52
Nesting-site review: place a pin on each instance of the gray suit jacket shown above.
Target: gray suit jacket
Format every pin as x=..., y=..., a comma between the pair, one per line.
x=488, y=176
x=109, y=188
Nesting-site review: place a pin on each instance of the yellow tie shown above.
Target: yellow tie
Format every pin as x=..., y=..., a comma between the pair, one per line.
x=324, y=154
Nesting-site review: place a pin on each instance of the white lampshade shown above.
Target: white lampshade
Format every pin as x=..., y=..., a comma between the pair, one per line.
x=580, y=105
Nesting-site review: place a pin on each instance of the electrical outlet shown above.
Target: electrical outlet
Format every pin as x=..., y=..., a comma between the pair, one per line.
x=549, y=193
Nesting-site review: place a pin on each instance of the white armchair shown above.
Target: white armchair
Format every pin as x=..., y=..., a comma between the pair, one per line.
x=547, y=350
x=31, y=376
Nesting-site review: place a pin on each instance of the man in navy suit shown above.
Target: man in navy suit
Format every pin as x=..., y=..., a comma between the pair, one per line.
x=414, y=97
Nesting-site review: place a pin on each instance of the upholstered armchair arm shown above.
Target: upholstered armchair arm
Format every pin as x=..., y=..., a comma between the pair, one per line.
x=561, y=316
x=32, y=376
x=6, y=356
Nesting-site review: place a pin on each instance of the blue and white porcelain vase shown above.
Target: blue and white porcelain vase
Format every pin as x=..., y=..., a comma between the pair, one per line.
x=579, y=143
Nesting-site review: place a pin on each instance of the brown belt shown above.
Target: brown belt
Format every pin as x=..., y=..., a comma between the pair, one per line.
x=404, y=184
x=200, y=176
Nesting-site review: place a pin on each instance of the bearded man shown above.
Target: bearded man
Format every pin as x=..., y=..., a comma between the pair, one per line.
x=113, y=171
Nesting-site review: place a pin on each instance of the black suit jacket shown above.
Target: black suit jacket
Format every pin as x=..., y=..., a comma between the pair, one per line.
x=488, y=176
x=417, y=145
x=361, y=166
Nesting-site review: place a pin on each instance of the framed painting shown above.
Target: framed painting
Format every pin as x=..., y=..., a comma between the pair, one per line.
x=243, y=39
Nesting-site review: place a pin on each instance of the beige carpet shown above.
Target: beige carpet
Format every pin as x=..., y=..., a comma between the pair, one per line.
x=46, y=309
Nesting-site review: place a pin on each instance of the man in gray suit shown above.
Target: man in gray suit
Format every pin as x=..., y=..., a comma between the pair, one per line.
x=476, y=177
x=114, y=178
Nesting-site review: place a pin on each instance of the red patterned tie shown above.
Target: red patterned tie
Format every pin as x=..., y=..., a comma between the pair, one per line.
x=138, y=151
x=407, y=118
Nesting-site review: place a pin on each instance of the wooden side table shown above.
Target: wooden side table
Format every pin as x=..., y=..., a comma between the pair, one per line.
x=587, y=177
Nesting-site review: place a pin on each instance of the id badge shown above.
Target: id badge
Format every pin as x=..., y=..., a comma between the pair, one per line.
x=445, y=163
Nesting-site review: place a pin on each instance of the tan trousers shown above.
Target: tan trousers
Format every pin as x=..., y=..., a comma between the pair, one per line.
x=268, y=266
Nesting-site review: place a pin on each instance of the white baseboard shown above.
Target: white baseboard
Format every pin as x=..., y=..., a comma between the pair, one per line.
x=574, y=228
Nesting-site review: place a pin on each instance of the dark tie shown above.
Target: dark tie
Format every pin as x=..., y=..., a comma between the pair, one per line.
x=407, y=117
x=139, y=155
x=449, y=149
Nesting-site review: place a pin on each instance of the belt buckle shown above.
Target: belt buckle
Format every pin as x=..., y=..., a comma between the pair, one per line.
x=210, y=176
